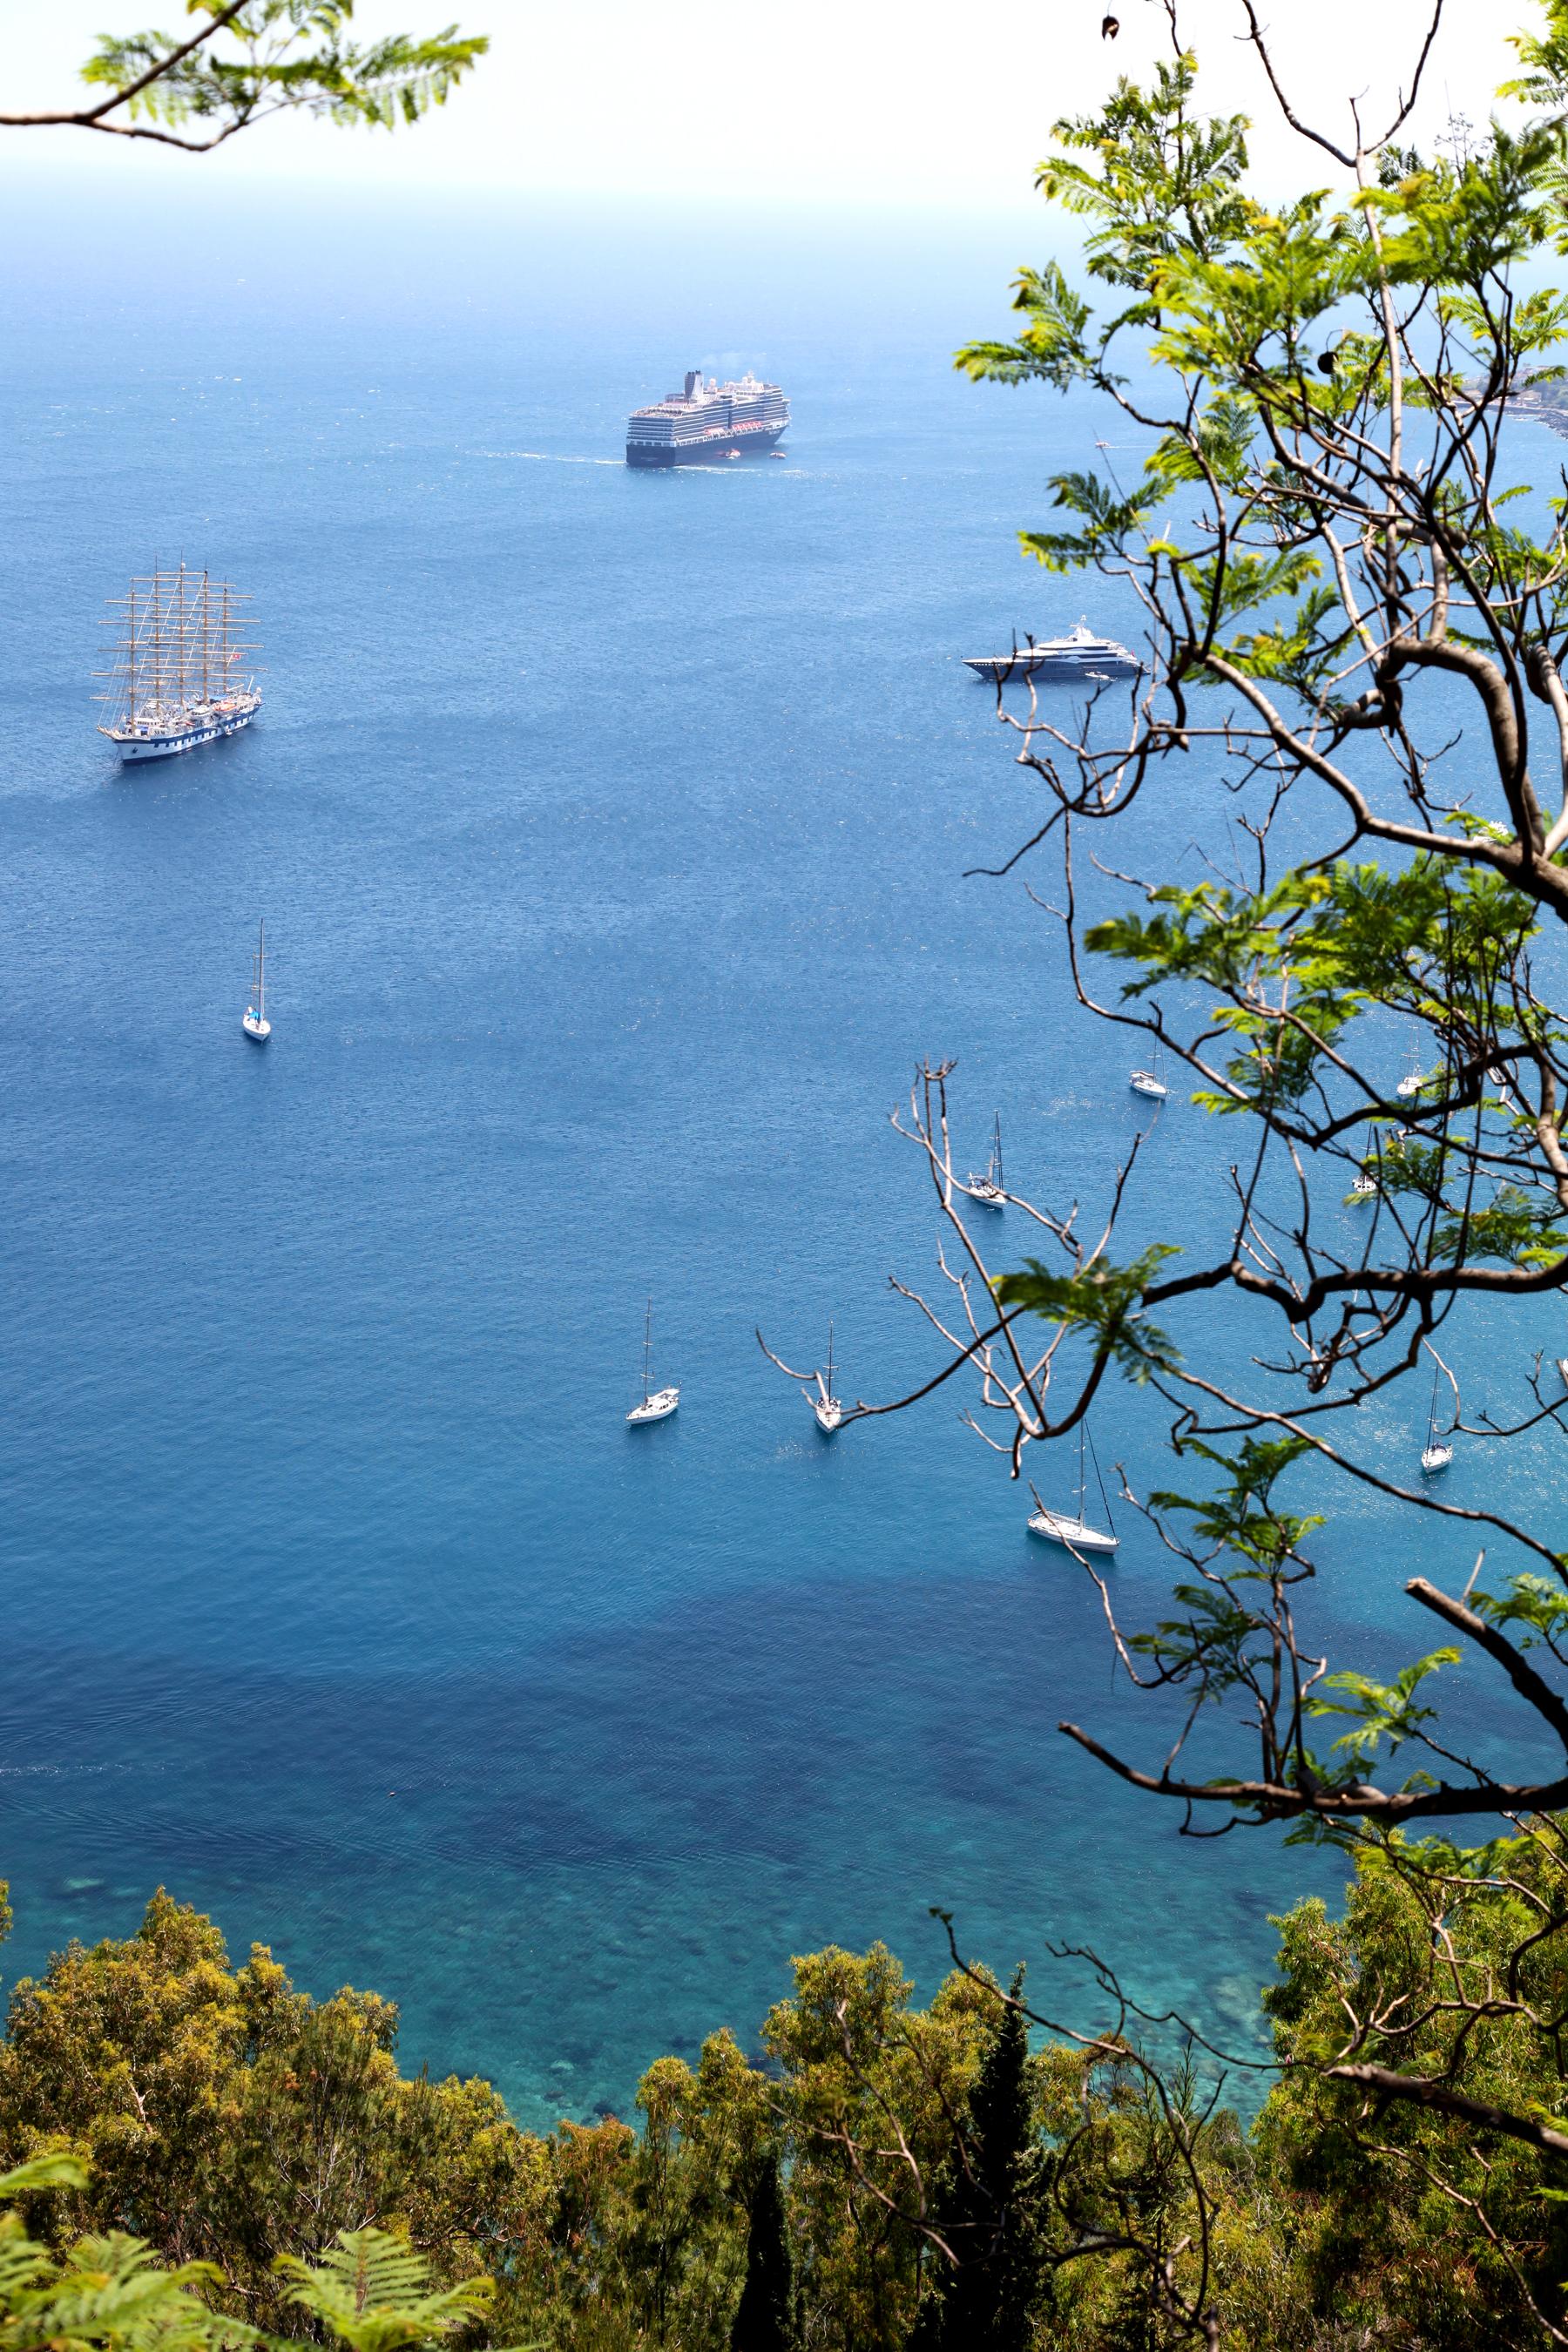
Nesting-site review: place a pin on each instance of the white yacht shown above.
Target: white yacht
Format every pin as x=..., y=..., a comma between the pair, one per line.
x=824, y=1404
x=1070, y=1528
x=987, y=1189
x=255, y=1023
x=658, y=1404
x=1081, y=654
x=1411, y=1084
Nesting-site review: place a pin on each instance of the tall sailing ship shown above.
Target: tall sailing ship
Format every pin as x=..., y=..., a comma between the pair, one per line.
x=178, y=677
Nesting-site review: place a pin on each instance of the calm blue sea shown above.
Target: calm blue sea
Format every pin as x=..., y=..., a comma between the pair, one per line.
x=610, y=831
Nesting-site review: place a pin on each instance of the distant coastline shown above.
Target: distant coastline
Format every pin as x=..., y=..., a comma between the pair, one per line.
x=1546, y=403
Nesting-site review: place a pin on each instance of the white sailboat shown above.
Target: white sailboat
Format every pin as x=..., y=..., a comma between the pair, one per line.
x=987, y=1189
x=255, y=1023
x=1410, y=1085
x=824, y=1404
x=1150, y=1082
x=658, y=1404
x=1436, y=1455
x=1365, y=1183
x=1070, y=1528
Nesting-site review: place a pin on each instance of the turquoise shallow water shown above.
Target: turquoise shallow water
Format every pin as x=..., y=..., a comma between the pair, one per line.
x=609, y=830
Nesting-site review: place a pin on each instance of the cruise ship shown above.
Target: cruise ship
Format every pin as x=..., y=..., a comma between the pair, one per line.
x=704, y=424
x=1081, y=654
x=173, y=682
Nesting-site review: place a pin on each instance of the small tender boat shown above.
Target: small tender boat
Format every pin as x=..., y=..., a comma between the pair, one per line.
x=1438, y=1454
x=824, y=1404
x=255, y=1023
x=1079, y=655
x=658, y=1404
x=987, y=1189
x=1070, y=1528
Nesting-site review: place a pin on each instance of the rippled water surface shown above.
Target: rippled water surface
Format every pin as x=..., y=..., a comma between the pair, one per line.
x=610, y=830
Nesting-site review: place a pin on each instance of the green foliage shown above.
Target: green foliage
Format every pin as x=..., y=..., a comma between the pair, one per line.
x=229, y=2119
x=1379, y=1711
x=281, y=54
x=372, y=2293
x=1068, y=2179
x=1100, y=1299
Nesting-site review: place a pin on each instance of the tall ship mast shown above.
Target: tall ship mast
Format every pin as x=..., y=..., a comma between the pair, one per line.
x=178, y=676
x=705, y=421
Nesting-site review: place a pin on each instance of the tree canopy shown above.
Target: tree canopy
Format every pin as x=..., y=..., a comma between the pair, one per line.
x=252, y=58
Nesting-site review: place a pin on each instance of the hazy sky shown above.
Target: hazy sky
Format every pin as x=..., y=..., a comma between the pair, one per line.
x=891, y=102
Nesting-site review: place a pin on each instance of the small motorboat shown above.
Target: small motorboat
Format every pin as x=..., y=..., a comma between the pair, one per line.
x=254, y=1021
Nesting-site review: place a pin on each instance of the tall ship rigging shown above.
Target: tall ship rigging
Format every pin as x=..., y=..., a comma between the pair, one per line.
x=178, y=676
x=705, y=422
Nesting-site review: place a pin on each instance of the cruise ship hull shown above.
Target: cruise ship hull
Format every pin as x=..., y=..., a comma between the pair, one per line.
x=155, y=745
x=709, y=449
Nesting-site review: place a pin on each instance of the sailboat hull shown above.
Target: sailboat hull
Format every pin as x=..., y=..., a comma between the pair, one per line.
x=658, y=1407
x=1056, y=1527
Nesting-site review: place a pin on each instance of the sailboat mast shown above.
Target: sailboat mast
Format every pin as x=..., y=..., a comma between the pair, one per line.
x=131, y=659
x=647, y=1351
x=261, y=973
x=830, y=1357
x=997, y=1150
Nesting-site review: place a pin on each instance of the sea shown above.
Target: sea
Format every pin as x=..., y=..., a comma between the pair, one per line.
x=615, y=835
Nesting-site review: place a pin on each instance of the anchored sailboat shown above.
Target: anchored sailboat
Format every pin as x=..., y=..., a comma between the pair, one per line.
x=1410, y=1085
x=1366, y=1185
x=1150, y=1082
x=1072, y=1528
x=658, y=1404
x=824, y=1404
x=255, y=1023
x=174, y=679
x=1437, y=1454
x=987, y=1189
